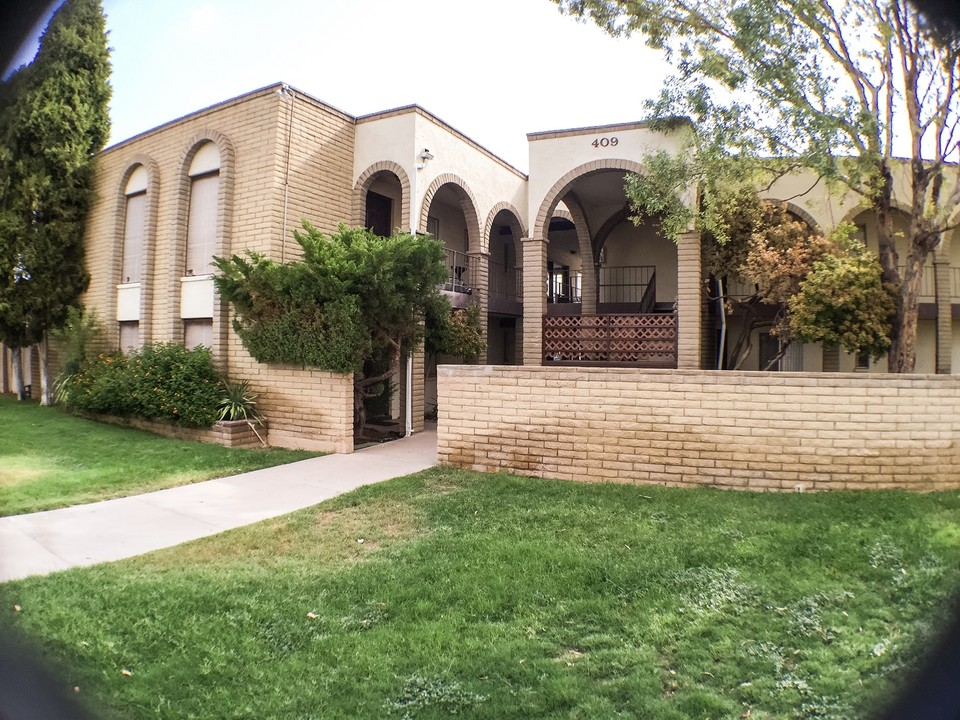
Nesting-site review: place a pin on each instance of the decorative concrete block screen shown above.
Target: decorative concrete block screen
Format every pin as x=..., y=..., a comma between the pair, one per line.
x=749, y=430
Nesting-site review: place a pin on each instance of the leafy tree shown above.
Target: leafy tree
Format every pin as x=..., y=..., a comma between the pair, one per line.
x=842, y=301
x=781, y=253
x=352, y=297
x=53, y=120
x=454, y=331
x=841, y=87
x=748, y=238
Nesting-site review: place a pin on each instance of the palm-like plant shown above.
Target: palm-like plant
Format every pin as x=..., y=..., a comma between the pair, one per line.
x=238, y=402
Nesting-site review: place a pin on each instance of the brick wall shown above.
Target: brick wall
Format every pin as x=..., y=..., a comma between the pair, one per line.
x=748, y=430
x=306, y=409
x=283, y=158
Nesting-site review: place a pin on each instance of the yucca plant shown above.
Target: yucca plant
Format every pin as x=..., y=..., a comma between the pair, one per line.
x=239, y=403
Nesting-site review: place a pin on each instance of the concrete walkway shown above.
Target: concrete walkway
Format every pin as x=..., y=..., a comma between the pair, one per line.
x=45, y=542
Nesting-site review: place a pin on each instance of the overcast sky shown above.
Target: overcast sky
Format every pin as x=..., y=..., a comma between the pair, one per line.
x=493, y=69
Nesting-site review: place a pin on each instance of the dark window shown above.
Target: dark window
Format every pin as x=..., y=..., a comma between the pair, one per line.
x=769, y=347
x=379, y=214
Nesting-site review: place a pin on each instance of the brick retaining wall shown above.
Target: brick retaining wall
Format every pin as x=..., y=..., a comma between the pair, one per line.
x=749, y=430
x=236, y=433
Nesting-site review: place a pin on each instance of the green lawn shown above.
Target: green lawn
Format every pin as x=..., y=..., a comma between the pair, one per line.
x=50, y=459
x=492, y=596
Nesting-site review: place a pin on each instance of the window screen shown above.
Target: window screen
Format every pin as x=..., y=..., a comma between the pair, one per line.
x=202, y=225
x=133, y=237
x=198, y=332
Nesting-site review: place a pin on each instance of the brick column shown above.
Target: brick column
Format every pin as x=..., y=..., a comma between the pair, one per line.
x=941, y=268
x=480, y=282
x=534, y=298
x=588, y=285
x=419, y=371
x=689, y=301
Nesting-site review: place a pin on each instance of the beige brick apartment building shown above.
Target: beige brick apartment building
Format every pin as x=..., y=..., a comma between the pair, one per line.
x=550, y=257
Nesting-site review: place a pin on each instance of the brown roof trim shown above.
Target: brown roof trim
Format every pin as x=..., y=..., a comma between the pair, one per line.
x=245, y=97
x=405, y=109
x=550, y=134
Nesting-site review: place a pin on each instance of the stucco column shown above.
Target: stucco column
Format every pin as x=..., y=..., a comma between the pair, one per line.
x=689, y=301
x=941, y=268
x=480, y=282
x=534, y=298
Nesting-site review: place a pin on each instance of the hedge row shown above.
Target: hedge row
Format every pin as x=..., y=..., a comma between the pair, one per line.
x=161, y=381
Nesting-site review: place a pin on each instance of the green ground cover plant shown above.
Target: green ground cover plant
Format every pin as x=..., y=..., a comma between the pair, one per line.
x=50, y=459
x=492, y=596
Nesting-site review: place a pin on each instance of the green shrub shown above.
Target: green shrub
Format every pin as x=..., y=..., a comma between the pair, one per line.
x=101, y=385
x=173, y=384
x=162, y=381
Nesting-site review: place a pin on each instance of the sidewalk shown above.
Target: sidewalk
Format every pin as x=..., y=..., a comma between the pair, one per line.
x=45, y=542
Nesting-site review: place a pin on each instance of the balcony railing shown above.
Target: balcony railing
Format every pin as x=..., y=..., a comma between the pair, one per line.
x=647, y=340
x=563, y=288
x=505, y=282
x=739, y=288
x=628, y=284
x=459, y=275
x=928, y=283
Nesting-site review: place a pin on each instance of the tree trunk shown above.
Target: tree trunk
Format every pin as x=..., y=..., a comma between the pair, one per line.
x=360, y=390
x=777, y=357
x=46, y=387
x=16, y=363
x=889, y=261
x=904, y=359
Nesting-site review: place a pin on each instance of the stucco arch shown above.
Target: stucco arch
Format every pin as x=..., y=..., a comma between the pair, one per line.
x=366, y=179
x=604, y=232
x=798, y=211
x=563, y=185
x=860, y=209
x=517, y=224
x=468, y=204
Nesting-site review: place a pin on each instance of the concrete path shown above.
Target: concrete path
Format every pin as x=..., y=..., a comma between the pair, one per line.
x=45, y=542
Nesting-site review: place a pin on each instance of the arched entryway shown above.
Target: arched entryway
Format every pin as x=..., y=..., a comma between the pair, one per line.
x=381, y=204
x=611, y=286
x=382, y=199
x=505, y=285
x=449, y=213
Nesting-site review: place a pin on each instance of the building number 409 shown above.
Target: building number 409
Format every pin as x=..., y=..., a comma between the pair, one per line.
x=605, y=142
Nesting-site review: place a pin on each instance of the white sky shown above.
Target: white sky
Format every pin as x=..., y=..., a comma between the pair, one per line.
x=493, y=69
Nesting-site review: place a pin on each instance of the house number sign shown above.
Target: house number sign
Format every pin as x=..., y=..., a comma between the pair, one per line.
x=606, y=142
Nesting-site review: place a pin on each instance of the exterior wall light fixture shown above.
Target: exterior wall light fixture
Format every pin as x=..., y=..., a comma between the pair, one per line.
x=423, y=157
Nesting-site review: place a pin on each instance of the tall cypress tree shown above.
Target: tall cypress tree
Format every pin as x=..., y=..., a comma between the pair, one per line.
x=53, y=120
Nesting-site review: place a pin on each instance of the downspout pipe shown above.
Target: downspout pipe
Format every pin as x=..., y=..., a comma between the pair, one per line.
x=723, y=324
x=413, y=231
